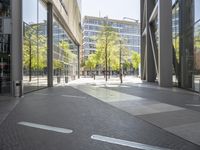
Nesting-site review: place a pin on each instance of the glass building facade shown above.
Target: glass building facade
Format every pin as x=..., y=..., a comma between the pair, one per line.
x=65, y=55
x=39, y=44
x=34, y=45
x=186, y=43
x=170, y=51
x=65, y=51
x=5, y=44
x=128, y=30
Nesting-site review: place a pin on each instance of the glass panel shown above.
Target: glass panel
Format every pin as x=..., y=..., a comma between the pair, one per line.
x=30, y=11
x=4, y=64
x=176, y=38
x=196, y=85
x=65, y=56
x=197, y=8
x=30, y=45
x=56, y=55
x=5, y=8
x=5, y=76
x=30, y=57
x=42, y=45
x=35, y=45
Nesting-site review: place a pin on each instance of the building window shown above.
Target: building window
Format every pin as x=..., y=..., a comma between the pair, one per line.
x=35, y=45
x=5, y=9
x=65, y=55
x=5, y=75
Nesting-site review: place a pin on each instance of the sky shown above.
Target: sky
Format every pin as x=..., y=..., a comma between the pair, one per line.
x=114, y=9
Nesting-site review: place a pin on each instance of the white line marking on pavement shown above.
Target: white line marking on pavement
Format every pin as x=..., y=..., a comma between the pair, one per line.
x=194, y=105
x=46, y=127
x=74, y=96
x=40, y=94
x=126, y=143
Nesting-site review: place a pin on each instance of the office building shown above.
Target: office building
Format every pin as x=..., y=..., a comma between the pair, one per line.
x=39, y=44
x=92, y=26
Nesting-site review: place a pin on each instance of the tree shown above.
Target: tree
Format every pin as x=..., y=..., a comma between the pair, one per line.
x=91, y=62
x=136, y=60
x=106, y=47
x=34, y=49
x=67, y=53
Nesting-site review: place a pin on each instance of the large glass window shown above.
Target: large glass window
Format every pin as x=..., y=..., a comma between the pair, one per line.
x=5, y=76
x=65, y=55
x=176, y=41
x=196, y=78
x=35, y=45
x=5, y=8
x=197, y=7
x=186, y=37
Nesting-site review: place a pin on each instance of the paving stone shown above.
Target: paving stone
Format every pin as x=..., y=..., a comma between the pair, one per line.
x=190, y=131
x=85, y=117
x=172, y=118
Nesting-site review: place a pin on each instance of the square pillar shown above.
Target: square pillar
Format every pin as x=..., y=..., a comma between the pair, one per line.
x=150, y=65
x=142, y=39
x=165, y=54
x=50, y=44
x=17, y=48
x=79, y=61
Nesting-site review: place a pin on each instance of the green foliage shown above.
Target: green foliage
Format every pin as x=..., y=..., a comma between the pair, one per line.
x=108, y=40
x=68, y=55
x=91, y=62
x=57, y=64
x=34, y=49
x=127, y=64
x=176, y=42
x=136, y=60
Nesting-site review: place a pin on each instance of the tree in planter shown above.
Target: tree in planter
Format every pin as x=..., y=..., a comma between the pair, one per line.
x=136, y=60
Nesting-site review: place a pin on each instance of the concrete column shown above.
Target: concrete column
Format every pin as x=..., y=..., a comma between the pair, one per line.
x=150, y=65
x=79, y=61
x=165, y=43
x=17, y=42
x=50, y=44
x=142, y=39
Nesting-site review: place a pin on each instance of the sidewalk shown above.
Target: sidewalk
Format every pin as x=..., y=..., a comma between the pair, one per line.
x=92, y=115
x=174, y=110
x=7, y=104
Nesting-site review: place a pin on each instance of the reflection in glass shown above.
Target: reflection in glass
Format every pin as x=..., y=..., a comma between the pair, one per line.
x=35, y=45
x=197, y=8
x=5, y=76
x=64, y=55
x=4, y=64
x=176, y=42
x=196, y=78
x=42, y=45
x=4, y=8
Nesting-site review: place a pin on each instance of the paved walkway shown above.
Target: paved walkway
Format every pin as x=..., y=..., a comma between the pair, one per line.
x=88, y=115
x=174, y=110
